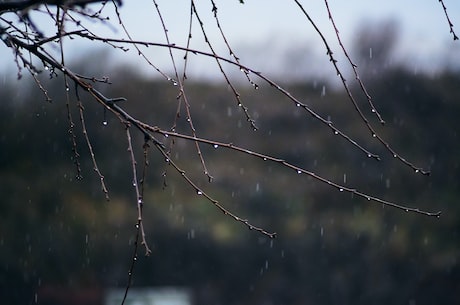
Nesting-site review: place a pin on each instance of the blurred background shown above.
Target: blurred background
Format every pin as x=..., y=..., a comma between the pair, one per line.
x=61, y=242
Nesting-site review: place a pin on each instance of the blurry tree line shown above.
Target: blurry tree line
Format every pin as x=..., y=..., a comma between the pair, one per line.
x=59, y=234
x=296, y=159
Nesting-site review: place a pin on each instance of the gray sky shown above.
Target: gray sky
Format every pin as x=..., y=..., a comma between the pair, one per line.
x=263, y=32
x=274, y=37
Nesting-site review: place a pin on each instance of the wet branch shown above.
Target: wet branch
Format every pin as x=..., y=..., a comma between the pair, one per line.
x=113, y=106
x=451, y=25
x=139, y=198
x=298, y=170
x=353, y=66
x=373, y=132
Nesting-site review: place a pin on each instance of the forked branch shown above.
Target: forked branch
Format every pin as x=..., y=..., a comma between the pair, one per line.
x=366, y=122
x=35, y=45
x=148, y=130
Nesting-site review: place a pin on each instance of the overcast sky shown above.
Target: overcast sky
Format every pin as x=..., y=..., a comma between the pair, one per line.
x=273, y=35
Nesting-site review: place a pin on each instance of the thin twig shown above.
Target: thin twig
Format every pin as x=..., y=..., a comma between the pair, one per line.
x=139, y=51
x=373, y=132
x=90, y=146
x=230, y=50
x=131, y=266
x=236, y=94
x=182, y=96
x=139, y=224
x=76, y=155
x=200, y=192
x=451, y=25
x=139, y=200
x=298, y=170
x=354, y=67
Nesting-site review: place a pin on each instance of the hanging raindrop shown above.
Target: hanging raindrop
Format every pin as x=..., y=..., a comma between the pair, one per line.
x=104, y=121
